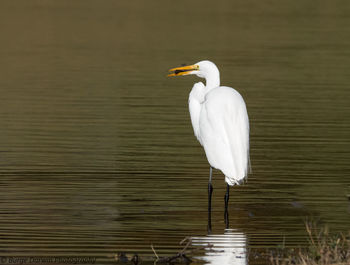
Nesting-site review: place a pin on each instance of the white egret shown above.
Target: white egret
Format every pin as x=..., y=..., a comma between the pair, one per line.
x=220, y=123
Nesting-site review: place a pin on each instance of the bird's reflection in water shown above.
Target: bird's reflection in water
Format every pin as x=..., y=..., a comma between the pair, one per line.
x=228, y=248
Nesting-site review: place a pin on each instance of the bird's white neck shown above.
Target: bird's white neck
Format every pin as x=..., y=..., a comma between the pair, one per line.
x=212, y=80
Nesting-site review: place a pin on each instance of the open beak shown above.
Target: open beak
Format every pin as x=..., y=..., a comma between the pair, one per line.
x=183, y=70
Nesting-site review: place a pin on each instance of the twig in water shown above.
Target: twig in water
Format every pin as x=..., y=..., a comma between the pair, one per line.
x=154, y=251
x=181, y=256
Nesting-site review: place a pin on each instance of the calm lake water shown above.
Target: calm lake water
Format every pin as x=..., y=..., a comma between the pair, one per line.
x=97, y=152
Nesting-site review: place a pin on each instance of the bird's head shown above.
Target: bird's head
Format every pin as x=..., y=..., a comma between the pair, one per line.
x=202, y=69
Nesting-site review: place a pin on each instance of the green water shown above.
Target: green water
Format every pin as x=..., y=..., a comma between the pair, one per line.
x=97, y=153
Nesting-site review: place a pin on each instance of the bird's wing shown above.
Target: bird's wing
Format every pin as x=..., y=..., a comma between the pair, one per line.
x=224, y=129
x=237, y=135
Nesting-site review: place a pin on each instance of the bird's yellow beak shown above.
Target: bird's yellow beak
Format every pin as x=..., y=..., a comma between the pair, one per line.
x=183, y=70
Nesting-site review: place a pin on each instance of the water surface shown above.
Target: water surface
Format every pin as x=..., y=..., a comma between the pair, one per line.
x=97, y=151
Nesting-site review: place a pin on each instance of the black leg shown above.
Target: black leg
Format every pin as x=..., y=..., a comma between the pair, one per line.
x=227, y=196
x=210, y=191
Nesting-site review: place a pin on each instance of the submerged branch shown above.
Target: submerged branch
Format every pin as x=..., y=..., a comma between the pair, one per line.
x=180, y=257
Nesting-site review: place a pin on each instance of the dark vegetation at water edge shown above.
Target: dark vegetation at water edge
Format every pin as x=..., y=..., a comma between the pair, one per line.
x=324, y=248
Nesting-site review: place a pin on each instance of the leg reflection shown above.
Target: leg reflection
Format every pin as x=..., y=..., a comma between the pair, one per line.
x=227, y=196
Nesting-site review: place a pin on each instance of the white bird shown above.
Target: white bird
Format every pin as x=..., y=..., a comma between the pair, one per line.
x=220, y=122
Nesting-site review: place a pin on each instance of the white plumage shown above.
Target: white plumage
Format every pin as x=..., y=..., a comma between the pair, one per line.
x=220, y=121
